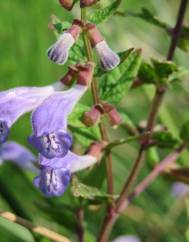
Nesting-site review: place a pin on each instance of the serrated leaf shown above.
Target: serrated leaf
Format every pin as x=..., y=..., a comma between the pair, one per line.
x=87, y=192
x=75, y=118
x=103, y=14
x=161, y=71
x=116, y=83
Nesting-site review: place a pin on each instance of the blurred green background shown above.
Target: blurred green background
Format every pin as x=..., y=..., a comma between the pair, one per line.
x=24, y=39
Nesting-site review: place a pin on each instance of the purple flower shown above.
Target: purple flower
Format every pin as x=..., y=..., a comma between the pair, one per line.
x=19, y=155
x=49, y=121
x=17, y=101
x=108, y=58
x=59, y=51
x=52, y=182
x=56, y=173
x=179, y=189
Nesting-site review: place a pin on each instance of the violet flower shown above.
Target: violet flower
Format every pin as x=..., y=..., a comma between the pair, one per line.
x=18, y=101
x=49, y=122
x=59, y=51
x=56, y=173
x=18, y=154
x=108, y=58
x=52, y=182
x=51, y=138
x=179, y=189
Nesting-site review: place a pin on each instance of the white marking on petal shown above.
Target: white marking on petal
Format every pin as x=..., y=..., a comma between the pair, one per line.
x=109, y=59
x=59, y=51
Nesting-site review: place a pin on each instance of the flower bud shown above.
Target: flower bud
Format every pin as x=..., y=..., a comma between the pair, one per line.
x=67, y=4
x=70, y=76
x=96, y=150
x=93, y=116
x=108, y=58
x=85, y=74
x=113, y=115
x=59, y=51
x=87, y=3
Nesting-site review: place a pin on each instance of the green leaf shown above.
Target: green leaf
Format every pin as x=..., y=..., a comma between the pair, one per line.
x=164, y=139
x=85, y=136
x=161, y=71
x=99, y=170
x=77, y=53
x=116, y=83
x=103, y=14
x=88, y=192
x=59, y=26
x=16, y=231
x=62, y=214
x=147, y=16
x=152, y=157
x=164, y=69
x=183, y=41
x=147, y=73
x=150, y=18
x=184, y=133
x=75, y=118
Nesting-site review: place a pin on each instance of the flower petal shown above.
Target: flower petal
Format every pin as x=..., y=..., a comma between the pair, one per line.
x=52, y=114
x=15, y=102
x=71, y=161
x=78, y=163
x=51, y=145
x=109, y=59
x=19, y=155
x=52, y=182
x=59, y=51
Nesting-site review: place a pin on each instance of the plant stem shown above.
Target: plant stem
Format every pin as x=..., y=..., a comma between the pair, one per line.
x=96, y=99
x=177, y=29
x=80, y=218
x=154, y=173
x=33, y=228
x=156, y=104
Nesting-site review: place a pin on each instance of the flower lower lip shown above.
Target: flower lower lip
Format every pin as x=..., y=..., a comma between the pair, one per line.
x=4, y=131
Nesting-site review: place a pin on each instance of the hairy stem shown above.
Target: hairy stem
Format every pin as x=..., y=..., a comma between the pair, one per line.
x=156, y=104
x=96, y=99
